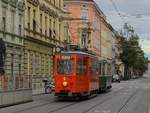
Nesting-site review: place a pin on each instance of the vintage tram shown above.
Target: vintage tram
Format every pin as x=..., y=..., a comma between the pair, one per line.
x=79, y=74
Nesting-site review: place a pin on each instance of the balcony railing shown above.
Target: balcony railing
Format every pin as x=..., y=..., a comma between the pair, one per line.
x=85, y=26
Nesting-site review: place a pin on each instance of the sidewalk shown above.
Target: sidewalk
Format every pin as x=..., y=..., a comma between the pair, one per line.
x=38, y=100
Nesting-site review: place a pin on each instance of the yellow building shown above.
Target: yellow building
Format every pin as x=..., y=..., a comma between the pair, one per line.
x=107, y=47
x=106, y=40
x=44, y=30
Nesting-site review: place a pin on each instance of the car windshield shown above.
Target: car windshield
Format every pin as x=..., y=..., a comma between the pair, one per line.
x=65, y=67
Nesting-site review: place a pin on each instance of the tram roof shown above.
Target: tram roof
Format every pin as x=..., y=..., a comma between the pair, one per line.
x=78, y=52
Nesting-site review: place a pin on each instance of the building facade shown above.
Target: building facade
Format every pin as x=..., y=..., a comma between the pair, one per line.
x=44, y=31
x=14, y=83
x=91, y=30
x=107, y=47
x=85, y=28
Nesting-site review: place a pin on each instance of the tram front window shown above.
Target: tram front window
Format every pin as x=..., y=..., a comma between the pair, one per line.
x=65, y=67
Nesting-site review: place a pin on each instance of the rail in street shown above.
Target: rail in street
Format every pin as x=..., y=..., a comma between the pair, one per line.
x=125, y=97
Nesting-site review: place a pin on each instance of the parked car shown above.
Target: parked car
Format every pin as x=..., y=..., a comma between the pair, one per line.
x=116, y=78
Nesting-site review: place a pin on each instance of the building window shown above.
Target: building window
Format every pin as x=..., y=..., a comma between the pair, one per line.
x=66, y=35
x=34, y=25
x=59, y=32
x=84, y=15
x=45, y=26
x=3, y=19
x=12, y=37
x=50, y=26
x=50, y=32
x=54, y=25
x=12, y=21
x=34, y=22
x=54, y=32
x=12, y=65
x=59, y=3
x=54, y=2
x=19, y=65
x=45, y=32
x=84, y=39
x=28, y=17
x=20, y=25
x=41, y=23
x=19, y=30
x=96, y=23
x=4, y=24
x=20, y=40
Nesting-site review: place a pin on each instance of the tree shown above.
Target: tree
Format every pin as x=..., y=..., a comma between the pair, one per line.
x=133, y=56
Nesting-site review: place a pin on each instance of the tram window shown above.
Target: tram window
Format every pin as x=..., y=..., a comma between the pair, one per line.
x=65, y=67
x=81, y=67
x=94, y=68
x=100, y=69
x=109, y=69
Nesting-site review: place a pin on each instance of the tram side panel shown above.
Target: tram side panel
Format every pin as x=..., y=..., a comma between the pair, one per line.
x=93, y=75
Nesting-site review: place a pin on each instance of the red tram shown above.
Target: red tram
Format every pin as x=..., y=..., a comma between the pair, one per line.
x=76, y=74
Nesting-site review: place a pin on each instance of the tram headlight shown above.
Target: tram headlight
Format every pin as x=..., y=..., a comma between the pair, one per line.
x=65, y=84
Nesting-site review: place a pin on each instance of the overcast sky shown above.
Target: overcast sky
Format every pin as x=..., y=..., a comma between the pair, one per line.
x=134, y=12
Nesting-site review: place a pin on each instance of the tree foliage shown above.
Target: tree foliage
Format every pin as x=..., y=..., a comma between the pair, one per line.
x=132, y=55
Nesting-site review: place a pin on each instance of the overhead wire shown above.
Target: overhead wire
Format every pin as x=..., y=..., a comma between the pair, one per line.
x=117, y=10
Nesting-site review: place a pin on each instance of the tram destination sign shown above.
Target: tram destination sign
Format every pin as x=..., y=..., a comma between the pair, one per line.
x=65, y=57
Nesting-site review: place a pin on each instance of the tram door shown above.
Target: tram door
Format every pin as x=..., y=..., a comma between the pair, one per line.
x=81, y=73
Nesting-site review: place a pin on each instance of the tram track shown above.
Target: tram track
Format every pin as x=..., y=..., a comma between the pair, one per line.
x=30, y=108
x=111, y=94
x=104, y=100
x=127, y=101
x=107, y=99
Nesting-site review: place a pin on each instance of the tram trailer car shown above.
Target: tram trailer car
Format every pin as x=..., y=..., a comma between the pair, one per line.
x=76, y=74
x=105, y=75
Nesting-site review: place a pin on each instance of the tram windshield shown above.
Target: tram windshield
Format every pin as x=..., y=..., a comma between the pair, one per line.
x=65, y=66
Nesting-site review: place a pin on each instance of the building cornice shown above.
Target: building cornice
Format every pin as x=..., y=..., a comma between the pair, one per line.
x=54, y=11
x=41, y=35
x=15, y=4
x=34, y=2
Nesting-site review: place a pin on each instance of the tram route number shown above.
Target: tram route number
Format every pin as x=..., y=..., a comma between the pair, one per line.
x=65, y=57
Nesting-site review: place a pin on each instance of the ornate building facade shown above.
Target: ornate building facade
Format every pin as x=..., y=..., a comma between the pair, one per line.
x=85, y=29
x=91, y=30
x=44, y=31
x=14, y=84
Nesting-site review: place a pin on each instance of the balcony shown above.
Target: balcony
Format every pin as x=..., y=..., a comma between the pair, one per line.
x=85, y=26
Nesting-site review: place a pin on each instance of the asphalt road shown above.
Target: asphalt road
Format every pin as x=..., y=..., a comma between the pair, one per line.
x=126, y=97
